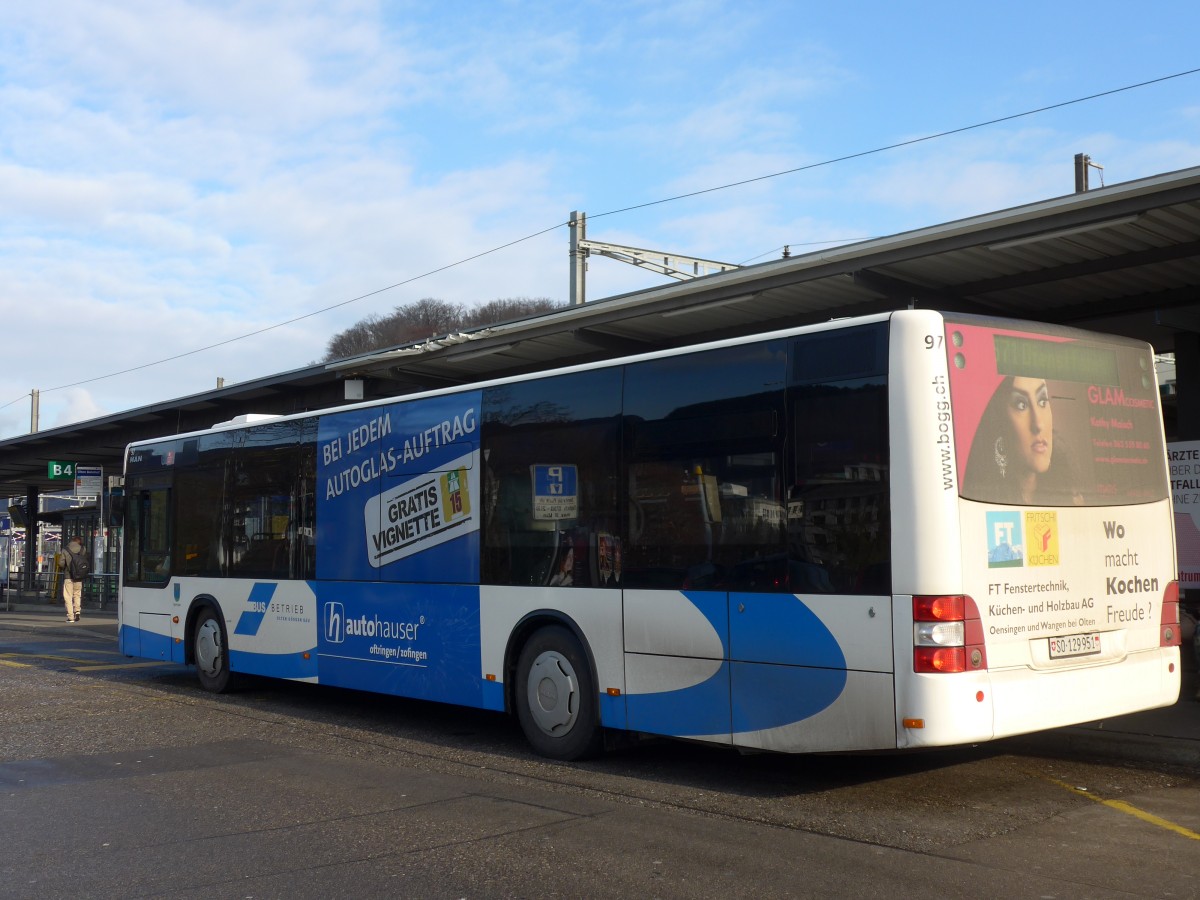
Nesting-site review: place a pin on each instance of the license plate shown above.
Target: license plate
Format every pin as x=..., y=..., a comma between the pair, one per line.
x=1074, y=645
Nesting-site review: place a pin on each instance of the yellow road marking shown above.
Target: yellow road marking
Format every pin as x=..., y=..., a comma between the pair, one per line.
x=53, y=656
x=133, y=665
x=82, y=664
x=1130, y=809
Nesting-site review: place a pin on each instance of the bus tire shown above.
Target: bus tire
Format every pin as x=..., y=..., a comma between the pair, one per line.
x=556, y=699
x=210, y=649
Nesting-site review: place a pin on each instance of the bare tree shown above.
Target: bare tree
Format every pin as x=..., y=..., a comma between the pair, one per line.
x=507, y=309
x=428, y=317
x=362, y=337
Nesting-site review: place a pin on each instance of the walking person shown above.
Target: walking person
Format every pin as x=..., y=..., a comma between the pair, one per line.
x=74, y=572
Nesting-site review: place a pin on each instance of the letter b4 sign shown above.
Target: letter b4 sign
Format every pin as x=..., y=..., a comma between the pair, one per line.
x=64, y=471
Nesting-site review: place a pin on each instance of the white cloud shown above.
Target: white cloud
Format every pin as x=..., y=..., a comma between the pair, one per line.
x=176, y=174
x=77, y=405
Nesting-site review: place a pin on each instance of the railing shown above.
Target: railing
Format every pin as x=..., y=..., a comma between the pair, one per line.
x=99, y=589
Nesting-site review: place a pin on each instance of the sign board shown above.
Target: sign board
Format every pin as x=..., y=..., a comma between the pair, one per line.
x=1184, y=457
x=89, y=481
x=555, y=492
x=64, y=471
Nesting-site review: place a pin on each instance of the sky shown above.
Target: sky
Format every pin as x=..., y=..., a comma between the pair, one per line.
x=201, y=190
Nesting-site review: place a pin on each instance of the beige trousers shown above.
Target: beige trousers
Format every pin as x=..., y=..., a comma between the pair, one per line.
x=72, y=597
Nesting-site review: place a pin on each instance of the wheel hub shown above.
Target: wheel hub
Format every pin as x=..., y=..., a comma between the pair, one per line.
x=208, y=647
x=553, y=693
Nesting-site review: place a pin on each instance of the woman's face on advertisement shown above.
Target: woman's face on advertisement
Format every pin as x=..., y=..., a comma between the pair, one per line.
x=1032, y=422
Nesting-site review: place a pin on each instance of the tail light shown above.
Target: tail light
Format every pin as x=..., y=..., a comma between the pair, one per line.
x=947, y=634
x=1168, y=630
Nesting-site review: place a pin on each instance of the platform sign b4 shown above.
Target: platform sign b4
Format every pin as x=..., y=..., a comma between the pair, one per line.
x=64, y=471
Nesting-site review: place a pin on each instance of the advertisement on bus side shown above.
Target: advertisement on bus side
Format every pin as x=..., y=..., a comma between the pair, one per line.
x=398, y=492
x=418, y=641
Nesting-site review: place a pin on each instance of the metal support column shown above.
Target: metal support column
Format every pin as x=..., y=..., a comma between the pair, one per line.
x=578, y=229
x=32, y=539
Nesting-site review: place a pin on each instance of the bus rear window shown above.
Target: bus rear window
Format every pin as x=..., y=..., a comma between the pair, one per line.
x=1051, y=417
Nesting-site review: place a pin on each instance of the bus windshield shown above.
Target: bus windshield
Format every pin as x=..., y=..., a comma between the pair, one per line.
x=1053, y=418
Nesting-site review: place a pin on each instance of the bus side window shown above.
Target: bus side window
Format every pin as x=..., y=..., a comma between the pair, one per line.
x=838, y=511
x=147, y=534
x=703, y=444
x=550, y=450
x=269, y=484
x=200, y=484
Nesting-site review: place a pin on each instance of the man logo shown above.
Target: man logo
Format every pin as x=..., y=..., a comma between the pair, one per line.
x=335, y=622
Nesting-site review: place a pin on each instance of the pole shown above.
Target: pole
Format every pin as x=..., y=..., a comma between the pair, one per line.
x=578, y=231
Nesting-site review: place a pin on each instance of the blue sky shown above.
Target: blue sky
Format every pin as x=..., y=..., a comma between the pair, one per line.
x=174, y=175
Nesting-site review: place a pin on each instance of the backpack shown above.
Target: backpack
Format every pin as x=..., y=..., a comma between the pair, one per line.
x=78, y=565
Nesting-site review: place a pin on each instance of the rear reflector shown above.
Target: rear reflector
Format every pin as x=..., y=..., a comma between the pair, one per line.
x=1168, y=631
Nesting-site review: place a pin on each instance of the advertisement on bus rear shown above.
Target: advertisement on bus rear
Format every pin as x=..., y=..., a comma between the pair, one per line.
x=1047, y=420
x=398, y=492
x=1067, y=548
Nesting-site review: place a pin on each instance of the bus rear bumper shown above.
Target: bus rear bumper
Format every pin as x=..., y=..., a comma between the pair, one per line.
x=948, y=710
x=1144, y=680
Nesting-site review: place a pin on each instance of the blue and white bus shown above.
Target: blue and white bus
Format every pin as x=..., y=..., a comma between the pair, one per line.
x=901, y=531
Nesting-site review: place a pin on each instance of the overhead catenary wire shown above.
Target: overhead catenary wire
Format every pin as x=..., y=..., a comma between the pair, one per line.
x=783, y=247
x=625, y=209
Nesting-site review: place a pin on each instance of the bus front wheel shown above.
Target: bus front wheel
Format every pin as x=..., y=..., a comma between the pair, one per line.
x=556, y=700
x=211, y=652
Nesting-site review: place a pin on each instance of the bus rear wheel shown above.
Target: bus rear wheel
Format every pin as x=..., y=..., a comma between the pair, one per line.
x=556, y=699
x=211, y=652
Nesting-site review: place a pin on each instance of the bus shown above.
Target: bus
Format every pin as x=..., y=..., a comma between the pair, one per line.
x=901, y=531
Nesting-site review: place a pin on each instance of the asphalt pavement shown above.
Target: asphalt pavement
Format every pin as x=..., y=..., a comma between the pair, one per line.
x=1169, y=735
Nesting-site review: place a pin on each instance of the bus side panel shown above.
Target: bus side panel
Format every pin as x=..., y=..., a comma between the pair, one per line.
x=271, y=625
x=595, y=611
x=770, y=671
x=676, y=663
x=145, y=627
x=679, y=697
x=859, y=719
x=811, y=673
x=420, y=641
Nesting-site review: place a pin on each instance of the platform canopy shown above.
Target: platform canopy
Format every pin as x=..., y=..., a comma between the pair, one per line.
x=1123, y=259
